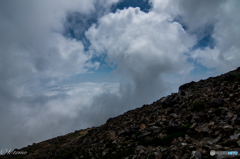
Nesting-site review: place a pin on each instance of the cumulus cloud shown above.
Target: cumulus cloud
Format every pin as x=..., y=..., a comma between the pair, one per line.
x=225, y=54
x=32, y=47
x=142, y=45
x=197, y=16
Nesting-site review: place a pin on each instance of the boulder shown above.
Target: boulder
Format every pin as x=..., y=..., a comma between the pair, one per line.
x=217, y=102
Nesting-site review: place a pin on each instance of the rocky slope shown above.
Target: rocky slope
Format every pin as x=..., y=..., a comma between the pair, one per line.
x=201, y=117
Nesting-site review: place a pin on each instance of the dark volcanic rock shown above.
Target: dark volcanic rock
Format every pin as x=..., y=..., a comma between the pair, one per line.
x=217, y=102
x=184, y=87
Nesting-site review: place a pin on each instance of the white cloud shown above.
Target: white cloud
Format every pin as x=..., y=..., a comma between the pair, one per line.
x=145, y=47
x=225, y=55
x=32, y=35
x=34, y=55
x=196, y=15
x=56, y=111
x=139, y=42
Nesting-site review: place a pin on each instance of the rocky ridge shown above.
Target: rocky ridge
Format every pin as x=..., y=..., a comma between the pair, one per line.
x=201, y=117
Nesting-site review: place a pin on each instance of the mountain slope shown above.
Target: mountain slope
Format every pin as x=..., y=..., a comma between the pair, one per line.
x=201, y=117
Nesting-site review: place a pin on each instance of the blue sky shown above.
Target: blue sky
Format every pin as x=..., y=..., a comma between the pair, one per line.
x=69, y=65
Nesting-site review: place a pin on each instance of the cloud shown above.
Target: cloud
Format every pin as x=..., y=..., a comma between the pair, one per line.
x=193, y=13
x=56, y=111
x=225, y=54
x=142, y=45
x=197, y=16
x=32, y=47
x=34, y=55
x=77, y=22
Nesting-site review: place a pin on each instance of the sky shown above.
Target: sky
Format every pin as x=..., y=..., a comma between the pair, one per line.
x=70, y=65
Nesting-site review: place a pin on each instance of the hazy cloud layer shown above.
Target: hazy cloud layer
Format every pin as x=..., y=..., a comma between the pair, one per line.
x=34, y=57
x=44, y=43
